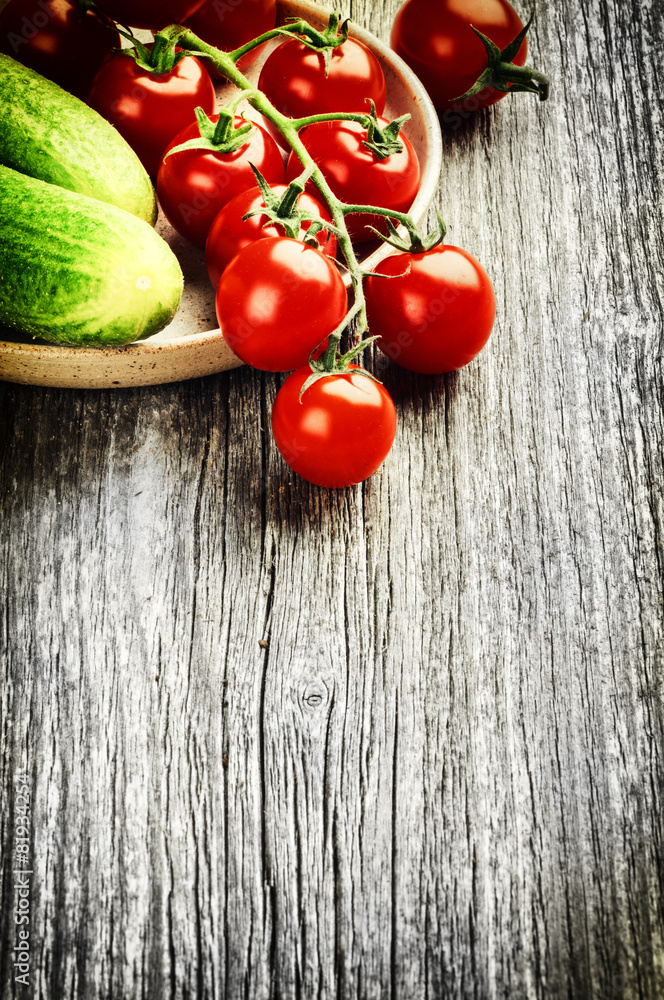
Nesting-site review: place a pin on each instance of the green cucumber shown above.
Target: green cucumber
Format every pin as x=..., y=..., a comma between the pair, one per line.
x=76, y=271
x=49, y=134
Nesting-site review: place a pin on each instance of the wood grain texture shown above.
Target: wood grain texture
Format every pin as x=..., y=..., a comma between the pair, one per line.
x=443, y=776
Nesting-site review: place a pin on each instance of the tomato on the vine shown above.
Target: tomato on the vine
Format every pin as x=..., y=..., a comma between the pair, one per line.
x=437, y=41
x=233, y=23
x=153, y=14
x=277, y=300
x=295, y=80
x=357, y=175
x=435, y=312
x=339, y=432
x=57, y=39
x=194, y=184
x=149, y=108
x=231, y=232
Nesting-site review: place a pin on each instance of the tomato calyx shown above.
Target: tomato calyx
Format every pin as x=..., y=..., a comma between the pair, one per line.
x=221, y=136
x=326, y=41
x=383, y=142
x=284, y=211
x=333, y=363
x=415, y=242
x=160, y=58
x=502, y=74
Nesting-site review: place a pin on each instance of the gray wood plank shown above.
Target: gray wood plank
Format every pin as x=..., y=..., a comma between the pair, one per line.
x=443, y=776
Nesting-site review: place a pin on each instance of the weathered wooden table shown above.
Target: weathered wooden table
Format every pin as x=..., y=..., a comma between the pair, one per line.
x=400, y=741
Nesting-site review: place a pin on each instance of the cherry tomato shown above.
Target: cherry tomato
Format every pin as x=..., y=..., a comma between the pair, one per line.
x=153, y=14
x=277, y=300
x=148, y=109
x=229, y=233
x=340, y=432
x=435, y=38
x=57, y=40
x=294, y=79
x=357, y=176
x=436, y=314
x=231, y=23
x=194, y=184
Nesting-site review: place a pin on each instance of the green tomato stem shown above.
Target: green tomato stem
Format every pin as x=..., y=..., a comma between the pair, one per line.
x=337, y=116
x=294, y=28
x=254, y=43
x=225, y=63
x=387, y=213
x=524, y=74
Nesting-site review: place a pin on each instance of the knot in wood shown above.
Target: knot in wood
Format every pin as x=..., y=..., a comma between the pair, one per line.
x=315, y=695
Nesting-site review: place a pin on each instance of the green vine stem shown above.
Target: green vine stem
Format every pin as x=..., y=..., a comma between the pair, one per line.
x=225, y=63
x=321, y=41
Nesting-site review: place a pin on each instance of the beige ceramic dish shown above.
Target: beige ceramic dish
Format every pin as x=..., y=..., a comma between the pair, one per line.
x=191, y=346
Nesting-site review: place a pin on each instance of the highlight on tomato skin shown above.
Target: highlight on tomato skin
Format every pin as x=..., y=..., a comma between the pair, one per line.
x=435, y=38
x=339, y=432
x=294, y=79
x=436, y=311
x=277, y=301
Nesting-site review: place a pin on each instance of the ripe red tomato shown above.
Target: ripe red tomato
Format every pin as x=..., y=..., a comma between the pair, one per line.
x=194, y=184
x=435, y=38
x=340, y=432
x=229, y=233
x=277, y=300
x=435, y=317
x=294, y=79
x=231, y=23
x=148, y=109
x=153, y=14
x=357, y=176
x=57, y=40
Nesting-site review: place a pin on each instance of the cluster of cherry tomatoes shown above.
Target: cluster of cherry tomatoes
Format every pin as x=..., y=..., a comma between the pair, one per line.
x=224, y=183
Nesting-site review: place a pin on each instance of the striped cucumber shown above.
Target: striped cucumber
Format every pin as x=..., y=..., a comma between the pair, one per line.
x=76, y=271
x=49, y=134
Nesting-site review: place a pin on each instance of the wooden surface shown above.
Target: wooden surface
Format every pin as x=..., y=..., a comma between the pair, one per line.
x=443, y=775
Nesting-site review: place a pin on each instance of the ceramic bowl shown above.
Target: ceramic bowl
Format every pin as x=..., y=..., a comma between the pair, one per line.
x=193, y=345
